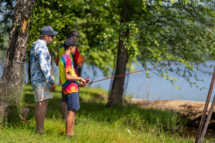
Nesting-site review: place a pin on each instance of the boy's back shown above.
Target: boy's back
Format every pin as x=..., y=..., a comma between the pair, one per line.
x=76, y=57
x=66, y=65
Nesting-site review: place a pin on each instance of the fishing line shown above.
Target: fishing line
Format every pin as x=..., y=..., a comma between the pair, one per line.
x=130, y=73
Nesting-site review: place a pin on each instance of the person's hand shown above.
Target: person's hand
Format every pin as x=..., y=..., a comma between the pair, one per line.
x=80, y=64
x=52, y=87
x=83, y=58
x=52, y=77
x=82, y=80
x=82, y=84
x=87, y=80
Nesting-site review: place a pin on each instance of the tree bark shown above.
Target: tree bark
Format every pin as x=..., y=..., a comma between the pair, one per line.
x=116, y=96
x=11, y=83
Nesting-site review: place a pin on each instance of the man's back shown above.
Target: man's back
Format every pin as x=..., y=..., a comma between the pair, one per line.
x=40, y=62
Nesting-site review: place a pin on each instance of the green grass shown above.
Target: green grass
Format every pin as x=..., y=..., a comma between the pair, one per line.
x=95, y=123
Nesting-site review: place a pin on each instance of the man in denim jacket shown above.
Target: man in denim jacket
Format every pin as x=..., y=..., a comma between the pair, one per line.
x=41, y=79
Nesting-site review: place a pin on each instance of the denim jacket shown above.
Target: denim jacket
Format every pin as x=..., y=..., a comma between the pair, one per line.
x=40, y=62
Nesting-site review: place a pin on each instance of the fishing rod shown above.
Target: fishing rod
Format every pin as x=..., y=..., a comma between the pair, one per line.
x=87, y=80
x=127, y=74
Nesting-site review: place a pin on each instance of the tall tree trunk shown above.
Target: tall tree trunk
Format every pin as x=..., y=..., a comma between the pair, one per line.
x=11, y=83
x=116, y=96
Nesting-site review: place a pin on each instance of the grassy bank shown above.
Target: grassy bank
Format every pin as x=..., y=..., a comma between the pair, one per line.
x=95, y=122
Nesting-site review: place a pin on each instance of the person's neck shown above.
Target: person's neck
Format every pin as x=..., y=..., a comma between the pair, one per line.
x=46, y=40
x=67, y=52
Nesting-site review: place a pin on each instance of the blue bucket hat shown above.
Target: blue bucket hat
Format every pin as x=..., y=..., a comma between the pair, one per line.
x=48, y=30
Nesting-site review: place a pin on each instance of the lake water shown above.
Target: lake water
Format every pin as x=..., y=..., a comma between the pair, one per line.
x=156, y=87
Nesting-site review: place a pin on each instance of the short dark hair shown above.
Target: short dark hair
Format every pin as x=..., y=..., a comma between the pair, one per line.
x=66, y=48
x=42, y=37
x=72, y=33
x=69, y=42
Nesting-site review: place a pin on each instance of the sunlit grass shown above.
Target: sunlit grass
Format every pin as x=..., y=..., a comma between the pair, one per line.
x=95, y=123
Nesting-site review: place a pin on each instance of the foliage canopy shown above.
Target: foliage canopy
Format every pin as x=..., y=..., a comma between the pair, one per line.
x=161, y=30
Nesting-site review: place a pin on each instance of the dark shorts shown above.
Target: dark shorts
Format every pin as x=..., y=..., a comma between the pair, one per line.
x=72, y=101
x=63, y=99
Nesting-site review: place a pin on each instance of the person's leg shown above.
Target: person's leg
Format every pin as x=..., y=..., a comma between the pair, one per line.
x=64, y=106
x=40, y=115
x=73, y=123
x=70, y=123
x=73, y=105
x=64, y=110
x=41, y=96
x=35, y=114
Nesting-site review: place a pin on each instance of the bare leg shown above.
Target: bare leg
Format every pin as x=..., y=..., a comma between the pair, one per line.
x=36, y=114
x=73, y=124
x=40, y=115
x=64, y=110
x=70, y=122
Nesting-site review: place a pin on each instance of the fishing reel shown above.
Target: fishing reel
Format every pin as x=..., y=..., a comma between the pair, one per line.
x=87, y=80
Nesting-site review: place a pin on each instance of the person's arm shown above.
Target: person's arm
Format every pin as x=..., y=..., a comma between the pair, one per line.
x=44, y=64
x=74, y=78
x=80, y=64
x=82, y=84
x=78, y=59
